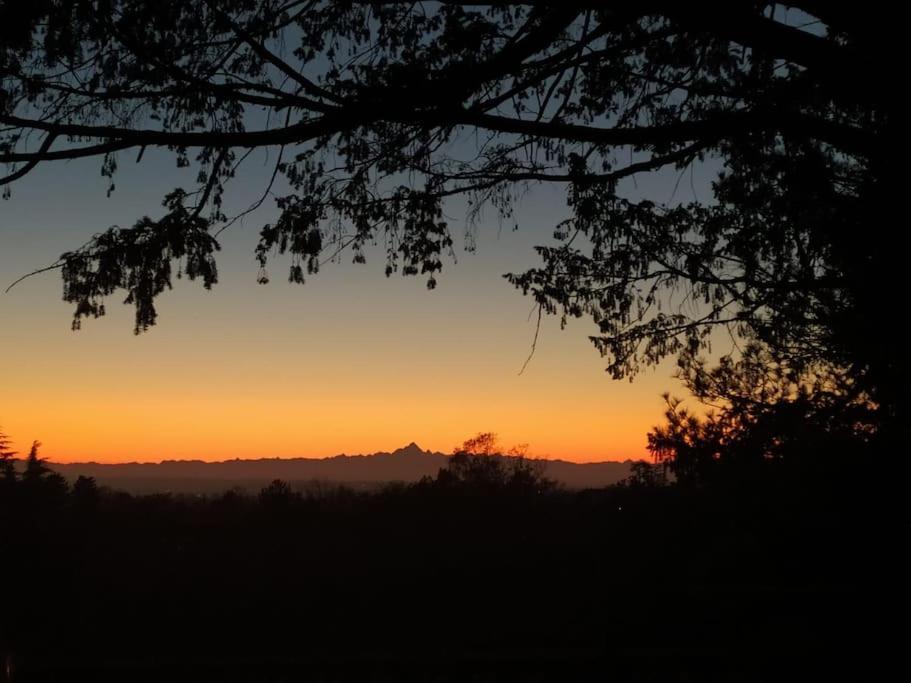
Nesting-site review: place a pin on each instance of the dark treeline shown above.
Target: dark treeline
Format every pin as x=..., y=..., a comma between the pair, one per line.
x=485, y=572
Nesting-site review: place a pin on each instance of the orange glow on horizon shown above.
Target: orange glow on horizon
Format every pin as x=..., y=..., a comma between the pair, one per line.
x=120, y=411
x=158, y=427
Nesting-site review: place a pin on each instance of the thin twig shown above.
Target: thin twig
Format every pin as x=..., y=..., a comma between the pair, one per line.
x=534, y=342
x=54, y=266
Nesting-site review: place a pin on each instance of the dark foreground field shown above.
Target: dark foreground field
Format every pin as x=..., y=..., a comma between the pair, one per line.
x=759, y=583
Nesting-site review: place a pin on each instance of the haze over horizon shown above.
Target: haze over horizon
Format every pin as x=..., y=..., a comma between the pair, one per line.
x=409, y=464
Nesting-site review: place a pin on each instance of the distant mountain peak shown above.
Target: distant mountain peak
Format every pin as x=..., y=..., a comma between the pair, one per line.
x=410, y=449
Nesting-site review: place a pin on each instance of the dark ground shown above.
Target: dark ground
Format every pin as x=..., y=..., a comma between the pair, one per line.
x=760, y=583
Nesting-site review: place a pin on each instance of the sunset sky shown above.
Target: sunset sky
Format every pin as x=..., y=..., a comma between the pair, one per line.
x=350, y=362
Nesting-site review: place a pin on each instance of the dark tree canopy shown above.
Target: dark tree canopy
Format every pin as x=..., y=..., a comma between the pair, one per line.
x=380, y=111
x=480, y=465
x=766, y=415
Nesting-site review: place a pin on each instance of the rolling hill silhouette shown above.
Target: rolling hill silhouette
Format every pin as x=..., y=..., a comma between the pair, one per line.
x=407, y=464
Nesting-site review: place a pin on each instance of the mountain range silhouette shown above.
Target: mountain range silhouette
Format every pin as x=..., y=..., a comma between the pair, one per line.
x=407, y=464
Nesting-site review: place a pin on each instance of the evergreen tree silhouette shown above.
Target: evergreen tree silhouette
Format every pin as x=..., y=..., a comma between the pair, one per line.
x=7, y=459
x=85, y=493
x=35, y=467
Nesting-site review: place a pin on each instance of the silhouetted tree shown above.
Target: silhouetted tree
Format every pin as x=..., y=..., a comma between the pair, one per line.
x=35, y=467
x=277, y=495
x=763, y=411
x=232, y=499
x=479, y=464
x=690, y=445
x=484, y=443
x=646, y=475
x=7, y=460
x=55, y=487
x=39, y=482
x=380, y=111
x=85, y=493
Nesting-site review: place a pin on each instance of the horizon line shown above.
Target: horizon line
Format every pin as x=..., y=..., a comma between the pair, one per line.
x=548, y=458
